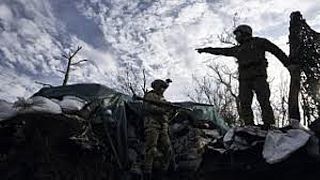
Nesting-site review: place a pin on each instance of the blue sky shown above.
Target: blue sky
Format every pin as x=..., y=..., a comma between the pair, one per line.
x=159, y=36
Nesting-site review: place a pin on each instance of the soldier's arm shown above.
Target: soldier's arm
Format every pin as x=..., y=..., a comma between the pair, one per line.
x=229, y=51
x=151, y=107
x=276, y=51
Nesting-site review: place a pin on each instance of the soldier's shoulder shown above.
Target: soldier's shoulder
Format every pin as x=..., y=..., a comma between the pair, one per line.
x=260, y=39
x=150, y=94
x=151, y=91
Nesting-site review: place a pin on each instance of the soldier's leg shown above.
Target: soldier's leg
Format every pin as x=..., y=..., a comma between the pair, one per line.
x=151, y=138
x=245, y=97
x=262, y=90
x=164, y=145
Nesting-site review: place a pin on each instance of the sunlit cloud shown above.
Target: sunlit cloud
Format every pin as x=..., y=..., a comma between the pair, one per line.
x=158, y=36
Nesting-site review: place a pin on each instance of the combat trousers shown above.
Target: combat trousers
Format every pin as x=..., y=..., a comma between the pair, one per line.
x=260, y=86
x=157, y=144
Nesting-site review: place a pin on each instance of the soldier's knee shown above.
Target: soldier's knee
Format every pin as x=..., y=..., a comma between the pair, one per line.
x=168, y=152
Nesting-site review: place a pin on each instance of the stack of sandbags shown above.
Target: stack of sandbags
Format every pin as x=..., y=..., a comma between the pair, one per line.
x=37, y=104
x=71, y=104
x=68, y=104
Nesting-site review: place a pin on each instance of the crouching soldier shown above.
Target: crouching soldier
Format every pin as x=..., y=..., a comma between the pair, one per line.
x=157, y=141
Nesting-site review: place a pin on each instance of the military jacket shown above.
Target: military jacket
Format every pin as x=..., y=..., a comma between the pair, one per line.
x=251, y=56
x=152, y=112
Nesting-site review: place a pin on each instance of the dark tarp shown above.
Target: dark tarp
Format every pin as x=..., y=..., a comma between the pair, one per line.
x=109, y=99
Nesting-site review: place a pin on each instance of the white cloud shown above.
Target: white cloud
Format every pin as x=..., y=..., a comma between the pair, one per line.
x=5, y=12
x=159, y=36
x=13, y=85
x=102, y=59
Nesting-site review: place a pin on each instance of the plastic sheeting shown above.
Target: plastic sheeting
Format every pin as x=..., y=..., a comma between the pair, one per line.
x=241, y=138
x=278, y=145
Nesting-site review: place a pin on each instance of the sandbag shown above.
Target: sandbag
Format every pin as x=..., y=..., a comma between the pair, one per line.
x=71, y=103
x=37, y=104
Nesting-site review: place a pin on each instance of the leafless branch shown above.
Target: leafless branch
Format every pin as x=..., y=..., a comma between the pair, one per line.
x=61, y=71
x=144, y=86
x=227, y=36
x=43, y=84
x=79, y=62
x=65, y=56
x=217, y=70
x=69, y=57
x=129, y=81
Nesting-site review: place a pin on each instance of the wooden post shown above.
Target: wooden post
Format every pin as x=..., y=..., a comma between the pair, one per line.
x=294, y=112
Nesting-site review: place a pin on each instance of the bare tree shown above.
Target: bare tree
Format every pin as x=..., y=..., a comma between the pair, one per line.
x=227, y=89
x=227, y=36
x=131, y=82
x=69, y=58
x=218, y=88
x=227, y=78
x=202, y=92
x=280, y=103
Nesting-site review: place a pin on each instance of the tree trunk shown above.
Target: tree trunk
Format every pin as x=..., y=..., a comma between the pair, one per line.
x=66, y=76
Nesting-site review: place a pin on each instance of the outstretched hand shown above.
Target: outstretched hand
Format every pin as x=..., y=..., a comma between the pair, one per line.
x=201, y=50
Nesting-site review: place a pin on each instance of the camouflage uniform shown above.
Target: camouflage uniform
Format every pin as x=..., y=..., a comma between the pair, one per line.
x=157, y=141
x=252, y=74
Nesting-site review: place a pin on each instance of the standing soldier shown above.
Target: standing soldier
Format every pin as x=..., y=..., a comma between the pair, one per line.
x=252, y=67
x=157, y=141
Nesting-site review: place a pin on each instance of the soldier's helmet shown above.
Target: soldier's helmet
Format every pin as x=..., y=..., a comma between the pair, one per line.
x=158, y=83
x=246, y=29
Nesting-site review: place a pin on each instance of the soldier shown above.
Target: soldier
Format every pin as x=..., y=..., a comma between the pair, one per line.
x=157, y=141
x=252, y=68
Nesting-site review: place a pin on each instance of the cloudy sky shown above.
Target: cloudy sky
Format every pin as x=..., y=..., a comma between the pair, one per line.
x=157, y=35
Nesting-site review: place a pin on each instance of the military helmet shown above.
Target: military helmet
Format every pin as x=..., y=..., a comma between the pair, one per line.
x=244, y=29
x=158, y=83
